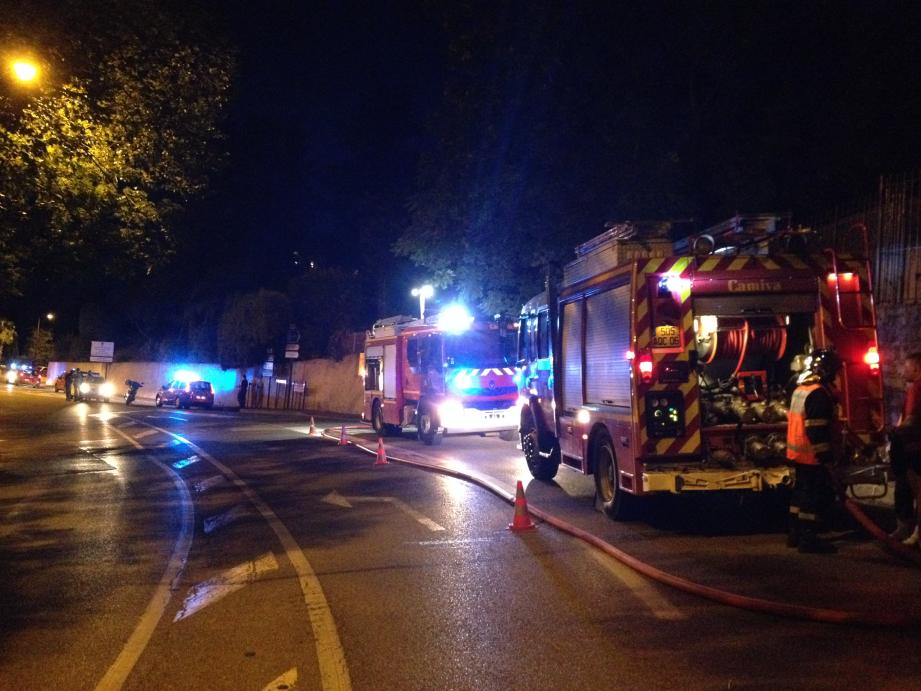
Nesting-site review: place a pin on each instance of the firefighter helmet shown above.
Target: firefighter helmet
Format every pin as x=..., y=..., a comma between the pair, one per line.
x=824, y=363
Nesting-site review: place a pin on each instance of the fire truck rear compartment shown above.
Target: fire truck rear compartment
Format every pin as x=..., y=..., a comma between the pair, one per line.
x=750, y=350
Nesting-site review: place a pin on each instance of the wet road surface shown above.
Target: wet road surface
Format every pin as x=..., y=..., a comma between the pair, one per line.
x=300, y=564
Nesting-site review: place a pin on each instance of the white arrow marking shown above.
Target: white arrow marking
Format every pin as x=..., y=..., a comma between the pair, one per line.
x=337, y=499
x=222, y=519
x=145, y=433
x=288, y=681
x=214, y=589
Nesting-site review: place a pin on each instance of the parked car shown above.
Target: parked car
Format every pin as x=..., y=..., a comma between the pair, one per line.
x=92, y=385
x=33, y=377
x=186, y=394
x=23, y=375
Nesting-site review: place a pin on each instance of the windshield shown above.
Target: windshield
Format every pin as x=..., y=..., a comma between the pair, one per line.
x=480, y=348
x=201, y=387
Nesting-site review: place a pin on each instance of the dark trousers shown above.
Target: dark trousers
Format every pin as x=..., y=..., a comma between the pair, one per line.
x=812, y=493
x=898, y=461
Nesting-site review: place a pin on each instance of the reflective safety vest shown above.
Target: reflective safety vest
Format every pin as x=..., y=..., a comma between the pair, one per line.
x=799, y=448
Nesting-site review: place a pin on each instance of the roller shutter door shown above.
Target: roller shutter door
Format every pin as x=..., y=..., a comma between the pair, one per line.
x=607, y=339
x=572, y=355
x=390, y=371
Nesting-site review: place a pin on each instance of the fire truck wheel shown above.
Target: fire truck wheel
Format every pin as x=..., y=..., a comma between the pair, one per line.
x=428, y=427
x=613, y=501
x=543, y=466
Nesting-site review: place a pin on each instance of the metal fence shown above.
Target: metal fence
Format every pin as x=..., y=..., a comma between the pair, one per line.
x=893, y=220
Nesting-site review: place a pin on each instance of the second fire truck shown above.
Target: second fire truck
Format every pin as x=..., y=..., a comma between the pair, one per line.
x=666, y=367
x=447, y=374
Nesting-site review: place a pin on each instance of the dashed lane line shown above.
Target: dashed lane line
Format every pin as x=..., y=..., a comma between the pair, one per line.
x=202, y=486
x=120, y=669
x=220, y=520
x=334, y=672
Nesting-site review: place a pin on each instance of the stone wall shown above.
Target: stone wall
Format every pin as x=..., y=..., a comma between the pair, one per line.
x=331, y=386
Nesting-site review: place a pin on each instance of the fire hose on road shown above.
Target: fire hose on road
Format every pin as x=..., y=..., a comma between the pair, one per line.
x=754, y=604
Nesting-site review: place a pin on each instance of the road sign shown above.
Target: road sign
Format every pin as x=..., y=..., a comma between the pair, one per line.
x=102, y=351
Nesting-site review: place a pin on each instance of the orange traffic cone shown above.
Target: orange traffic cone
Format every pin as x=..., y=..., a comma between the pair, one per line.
x=343, y=438
x=381, y=454
x=313, y=428
x=522, y=520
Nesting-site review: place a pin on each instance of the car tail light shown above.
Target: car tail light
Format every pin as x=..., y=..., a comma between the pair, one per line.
x=871, y=357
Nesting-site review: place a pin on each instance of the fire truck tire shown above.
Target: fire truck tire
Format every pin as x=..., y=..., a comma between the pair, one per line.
x=543, y=466
x=609, y=497
x=428, y=427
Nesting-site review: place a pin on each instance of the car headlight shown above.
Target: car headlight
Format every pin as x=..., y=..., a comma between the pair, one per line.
x=450, y=412
x=11, y=377
x=84, y=388
x=106, y=390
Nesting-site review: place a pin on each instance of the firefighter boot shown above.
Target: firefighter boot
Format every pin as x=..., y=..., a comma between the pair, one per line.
x=810, y=543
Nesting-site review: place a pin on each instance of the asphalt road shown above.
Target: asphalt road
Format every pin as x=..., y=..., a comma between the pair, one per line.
x=149, y=549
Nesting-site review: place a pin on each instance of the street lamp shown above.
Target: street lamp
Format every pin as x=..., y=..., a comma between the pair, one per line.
x=24, y=71
x=38, y=325
x=422, y=292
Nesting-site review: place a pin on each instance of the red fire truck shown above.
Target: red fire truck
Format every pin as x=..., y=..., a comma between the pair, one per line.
x=666, y=367
x=446, y=374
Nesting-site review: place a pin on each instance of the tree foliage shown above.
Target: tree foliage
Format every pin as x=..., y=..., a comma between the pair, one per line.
x=250, y=323
x=7, y=335
x=97, y=168
x=40, y=348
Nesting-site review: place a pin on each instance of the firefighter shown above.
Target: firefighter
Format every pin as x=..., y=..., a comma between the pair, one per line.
x=811, y=446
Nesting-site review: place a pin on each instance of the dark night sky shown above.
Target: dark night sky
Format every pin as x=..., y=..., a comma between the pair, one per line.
x=336, y=100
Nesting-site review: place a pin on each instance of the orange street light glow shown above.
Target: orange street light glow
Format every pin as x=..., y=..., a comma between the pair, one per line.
x=25, y=71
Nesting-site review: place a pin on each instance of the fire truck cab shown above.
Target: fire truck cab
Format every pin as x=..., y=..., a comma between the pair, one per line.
x=666, y=367
x=447, y=374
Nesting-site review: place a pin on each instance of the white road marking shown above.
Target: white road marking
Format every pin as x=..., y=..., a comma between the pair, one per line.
x=300, y=430
x=660, y=607
x=94, y=443
x=222, y=519
x=334, y=672
x=217, y=588
x=203, y=486
x=288, y=681
x=117, y=674
x=145, y=433
x=337, y=499
x=458, y=541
